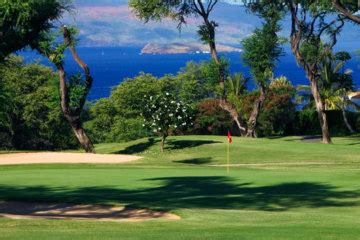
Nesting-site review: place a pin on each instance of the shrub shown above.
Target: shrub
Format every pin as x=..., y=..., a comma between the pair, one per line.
x=164, y=113
x=211, y=119
x=36, y=120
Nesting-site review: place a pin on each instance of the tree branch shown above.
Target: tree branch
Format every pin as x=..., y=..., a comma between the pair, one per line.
x=343, y=10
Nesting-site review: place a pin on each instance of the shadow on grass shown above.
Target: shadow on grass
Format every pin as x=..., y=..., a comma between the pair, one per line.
x=195, y=161
x=170, y=145
x=194, y=192
x=355, y=138
x=306, y=138
x=138, y=148
x=181, y=144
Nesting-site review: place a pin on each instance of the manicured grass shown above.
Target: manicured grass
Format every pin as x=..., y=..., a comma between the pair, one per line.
x=291, y=190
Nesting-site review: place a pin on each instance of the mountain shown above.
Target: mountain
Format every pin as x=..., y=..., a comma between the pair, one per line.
x=181, y=48
x=112, y=23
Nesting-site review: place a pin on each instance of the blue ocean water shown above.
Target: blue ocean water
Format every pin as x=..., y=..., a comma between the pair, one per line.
x=110, y=66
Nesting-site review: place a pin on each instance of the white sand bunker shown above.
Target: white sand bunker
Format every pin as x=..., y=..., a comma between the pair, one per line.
x=60, y=157
x=21, y=210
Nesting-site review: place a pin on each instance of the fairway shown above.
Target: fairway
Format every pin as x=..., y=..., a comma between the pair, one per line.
x=282, y=188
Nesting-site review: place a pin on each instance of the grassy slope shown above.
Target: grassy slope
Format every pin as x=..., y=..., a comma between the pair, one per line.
x=316, y=196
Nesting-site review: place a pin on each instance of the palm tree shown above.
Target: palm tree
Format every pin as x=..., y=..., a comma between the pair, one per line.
x=335, y=85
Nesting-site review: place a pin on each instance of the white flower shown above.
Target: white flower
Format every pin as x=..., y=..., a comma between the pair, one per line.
x=143, y=125
x=175, y=126
x=172, y=101
x=179, y=117
x=159, y=129
x=151, y=97
x=171, y=115
x=167, y=94
x=155, y=130
x=184, y=124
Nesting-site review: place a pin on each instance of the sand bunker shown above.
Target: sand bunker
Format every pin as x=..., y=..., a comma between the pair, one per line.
x=59, y=157
x=21, y=210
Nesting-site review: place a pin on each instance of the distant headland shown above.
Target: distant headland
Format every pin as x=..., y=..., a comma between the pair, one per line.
x=183, y=48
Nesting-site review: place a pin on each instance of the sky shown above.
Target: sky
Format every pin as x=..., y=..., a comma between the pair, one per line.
x=112, y=23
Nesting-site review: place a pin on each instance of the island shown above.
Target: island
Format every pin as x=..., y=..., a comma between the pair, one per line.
x=184, y=48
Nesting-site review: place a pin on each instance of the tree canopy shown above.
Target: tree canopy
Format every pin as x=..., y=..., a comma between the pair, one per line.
x=22, y=22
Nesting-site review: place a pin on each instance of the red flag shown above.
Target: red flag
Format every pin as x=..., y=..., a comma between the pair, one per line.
x=229, y=137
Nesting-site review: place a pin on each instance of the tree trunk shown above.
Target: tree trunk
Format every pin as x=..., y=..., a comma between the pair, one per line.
x=255, y=113
x=163, y=139
x=81, y=135
x=311, y=69
x=73, y=115
x=348, y=125
x=226, y=106
x=321, y=111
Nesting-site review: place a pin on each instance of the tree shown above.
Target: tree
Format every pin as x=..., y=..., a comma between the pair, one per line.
x=313, y=33
x=163, y=113
x=180, y=11
x=279, y=110
x=348, y=8
x=236, y=86
x=73, y=90
x=335, y=85
x=22, y=22
x=261, y=51
x=110, y=117
x=5, y=107
x=314, y=30
x=34, y=117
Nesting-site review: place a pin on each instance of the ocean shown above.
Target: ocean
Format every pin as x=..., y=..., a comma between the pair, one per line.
x=111, y=65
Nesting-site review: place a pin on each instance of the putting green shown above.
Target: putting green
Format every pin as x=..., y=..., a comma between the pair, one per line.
x=315, y=196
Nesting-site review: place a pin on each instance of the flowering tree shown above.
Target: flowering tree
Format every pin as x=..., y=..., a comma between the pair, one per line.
x=163, y=114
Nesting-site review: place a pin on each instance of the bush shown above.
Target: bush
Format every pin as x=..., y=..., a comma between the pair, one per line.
x=126, y=101
x=128, y=129
x=211, y=119
x=36, y=120
x=164, y=114
x=279, y=110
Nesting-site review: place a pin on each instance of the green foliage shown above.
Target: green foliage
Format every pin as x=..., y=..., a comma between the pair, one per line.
x=262, y=49
x=128, y=96
x=236, y=85
x=178, y=10
x=102, y=117
x=77, y=89
x=36, y=121
x=211, y=119
x=23, y=22
x=125, y=129
x=206, y=32
x=164, y=113
x=279, y=110
x=5, y=105
x=192, y=84
x=335, y=83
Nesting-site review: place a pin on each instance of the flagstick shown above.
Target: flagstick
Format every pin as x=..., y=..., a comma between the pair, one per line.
x=228, y=158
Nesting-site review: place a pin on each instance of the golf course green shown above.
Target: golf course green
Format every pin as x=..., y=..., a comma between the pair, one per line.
x=281, y=188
